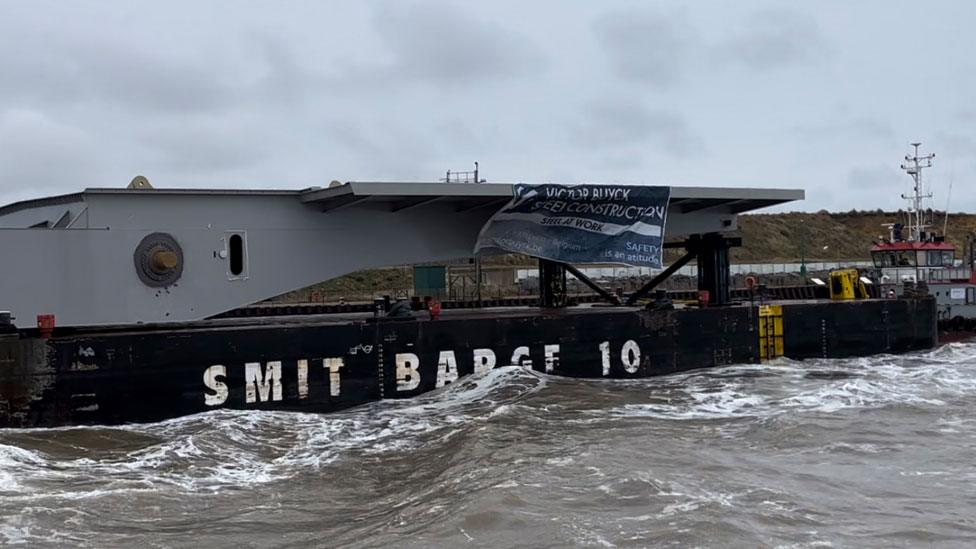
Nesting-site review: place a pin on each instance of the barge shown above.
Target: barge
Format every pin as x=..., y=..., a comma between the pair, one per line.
x=118, y=302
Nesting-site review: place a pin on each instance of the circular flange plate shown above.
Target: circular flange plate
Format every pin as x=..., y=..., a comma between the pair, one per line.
x=153, y=272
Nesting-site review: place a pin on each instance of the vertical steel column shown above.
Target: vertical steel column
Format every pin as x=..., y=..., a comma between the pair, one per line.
x=552, y=284
x=713, y=267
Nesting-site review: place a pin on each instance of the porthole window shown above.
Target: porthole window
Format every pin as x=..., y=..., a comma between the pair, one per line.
x=236, y=255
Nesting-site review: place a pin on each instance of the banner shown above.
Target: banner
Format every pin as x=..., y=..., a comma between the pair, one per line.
x=582, y=224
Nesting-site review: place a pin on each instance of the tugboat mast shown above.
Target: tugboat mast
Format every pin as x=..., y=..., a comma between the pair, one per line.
x=913, y=166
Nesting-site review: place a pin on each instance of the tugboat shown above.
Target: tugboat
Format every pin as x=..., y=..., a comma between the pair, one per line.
x=916, y=259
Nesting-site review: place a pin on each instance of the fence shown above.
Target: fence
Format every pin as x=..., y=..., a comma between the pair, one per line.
x=499, y=281
x=612, y=272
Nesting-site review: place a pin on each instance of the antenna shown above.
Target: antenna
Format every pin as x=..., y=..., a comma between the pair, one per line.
x=914, y=164
x=945, y=224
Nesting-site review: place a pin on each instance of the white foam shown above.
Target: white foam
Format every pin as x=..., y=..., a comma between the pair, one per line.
x=728, y=403
x=694, y=501
x=925, y=380
x=213, y=451
x=14, y=535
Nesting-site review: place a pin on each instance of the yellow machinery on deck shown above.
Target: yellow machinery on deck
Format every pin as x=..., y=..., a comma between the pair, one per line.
x=847, y=284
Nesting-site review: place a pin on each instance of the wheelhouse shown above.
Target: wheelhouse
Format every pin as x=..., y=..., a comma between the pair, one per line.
x=906, y=254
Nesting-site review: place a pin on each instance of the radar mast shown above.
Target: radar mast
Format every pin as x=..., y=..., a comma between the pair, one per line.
x=914, y=164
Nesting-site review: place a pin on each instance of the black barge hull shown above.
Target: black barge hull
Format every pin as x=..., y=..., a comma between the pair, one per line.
x=325, y=363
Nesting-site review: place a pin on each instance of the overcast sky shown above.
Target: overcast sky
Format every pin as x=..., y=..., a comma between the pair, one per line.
x=821, y=95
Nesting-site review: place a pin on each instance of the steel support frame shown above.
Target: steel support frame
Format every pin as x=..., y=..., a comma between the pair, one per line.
x=711, y=251
x=661, y=277
x=591, y=284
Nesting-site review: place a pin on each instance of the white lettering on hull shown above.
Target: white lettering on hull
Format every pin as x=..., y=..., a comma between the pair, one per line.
x=263, y=382
x=447, y=371
x=630, y=355
x=260, y=385
x=302, y=379
x=211, y=381
x=484, y=361
x=408, y=378
x=517, y=355
x=333, y=365
x=605, y=357
x=552, y=360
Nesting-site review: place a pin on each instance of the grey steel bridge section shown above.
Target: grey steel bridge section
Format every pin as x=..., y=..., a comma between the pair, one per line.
x=72, y=255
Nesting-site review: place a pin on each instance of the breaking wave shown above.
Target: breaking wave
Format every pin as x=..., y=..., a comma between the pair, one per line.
x=758, y=455
x=214, y=450
x=785, y=386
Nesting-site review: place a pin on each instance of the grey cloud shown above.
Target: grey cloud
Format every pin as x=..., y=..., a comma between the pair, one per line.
x=383, y=149
x=282, y=76
x=202, y=147
x=49, y=70
x=644, y=47
x=438, y=43
x=967, y=115
x=881, y=186
x=209, y=94
x=467, y=140
x=621, y=123
x=146, y=81
x=884, y=178
x=39, y=155
x=775, y=39
x=862, y=187
x=955, y=145
x=858, y=127
x=621, y=161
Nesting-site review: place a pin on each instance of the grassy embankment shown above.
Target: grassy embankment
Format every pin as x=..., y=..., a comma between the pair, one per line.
x=828, y=236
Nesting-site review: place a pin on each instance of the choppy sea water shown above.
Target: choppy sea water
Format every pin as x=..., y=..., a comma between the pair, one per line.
x=874, y=452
